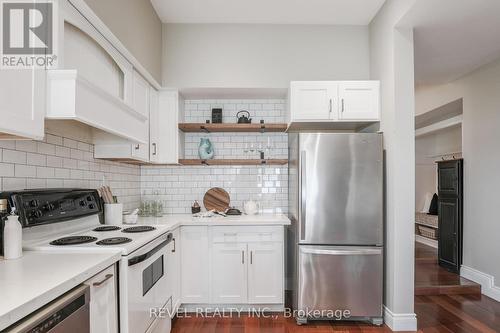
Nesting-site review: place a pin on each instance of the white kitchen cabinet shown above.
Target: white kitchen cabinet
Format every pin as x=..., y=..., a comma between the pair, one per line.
x=174, y=270
x=265, y=275
x=333, y=104
x=22, y=104
x=166, y=140
x=313, y=100
x=194, y=264
x=141, y=94
x=103, y=302
x=229, y=273
x=359, y=100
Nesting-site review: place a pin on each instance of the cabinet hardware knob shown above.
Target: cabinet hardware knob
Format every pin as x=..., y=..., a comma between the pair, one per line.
x=242, y=257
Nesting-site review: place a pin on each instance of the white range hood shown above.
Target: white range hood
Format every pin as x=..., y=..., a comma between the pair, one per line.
x=72, y=97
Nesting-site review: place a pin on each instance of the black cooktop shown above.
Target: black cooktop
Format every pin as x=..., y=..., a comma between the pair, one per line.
x=114, y=241
x=73, y=240
x=107, y=228
x=141, y=228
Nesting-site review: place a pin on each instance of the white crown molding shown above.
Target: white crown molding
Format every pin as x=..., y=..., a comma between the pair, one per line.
x=400, y=321
x=486, y=281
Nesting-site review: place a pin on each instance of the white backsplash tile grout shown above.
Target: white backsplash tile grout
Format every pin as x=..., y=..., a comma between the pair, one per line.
x=178, y=186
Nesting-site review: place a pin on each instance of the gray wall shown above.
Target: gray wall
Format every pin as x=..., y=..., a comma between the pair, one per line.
x=262, y=56
x=136, y=24
x=391, y=62
x=481, y=138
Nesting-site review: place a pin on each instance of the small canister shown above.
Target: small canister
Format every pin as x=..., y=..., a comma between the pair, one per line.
x=196, y=207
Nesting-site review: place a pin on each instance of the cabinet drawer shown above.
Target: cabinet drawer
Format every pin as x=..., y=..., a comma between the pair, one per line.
x=247, y=234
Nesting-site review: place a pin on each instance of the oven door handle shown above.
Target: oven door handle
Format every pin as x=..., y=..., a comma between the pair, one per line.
x=138, y=259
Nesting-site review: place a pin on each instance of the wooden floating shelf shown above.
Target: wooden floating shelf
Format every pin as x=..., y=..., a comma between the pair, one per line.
x=233, y=162
x=207, y=128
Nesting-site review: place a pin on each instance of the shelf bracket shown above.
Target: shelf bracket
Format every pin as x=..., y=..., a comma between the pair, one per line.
x=204, y=162
x=204, y=129
x=263, y=162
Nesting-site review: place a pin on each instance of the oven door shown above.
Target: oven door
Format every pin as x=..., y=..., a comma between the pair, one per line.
x=146, y=284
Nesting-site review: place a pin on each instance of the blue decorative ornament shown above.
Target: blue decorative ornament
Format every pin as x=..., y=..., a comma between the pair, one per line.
x=206, y=149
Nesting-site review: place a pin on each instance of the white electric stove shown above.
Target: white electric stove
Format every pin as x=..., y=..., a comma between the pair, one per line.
x=68, y=220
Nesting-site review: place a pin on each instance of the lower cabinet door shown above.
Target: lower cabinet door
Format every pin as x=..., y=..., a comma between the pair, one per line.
x=265, y=273
x=194, y=268
x=103, y=302
x=229, y=273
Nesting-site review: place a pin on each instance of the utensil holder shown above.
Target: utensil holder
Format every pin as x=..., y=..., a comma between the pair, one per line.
x=113, y=213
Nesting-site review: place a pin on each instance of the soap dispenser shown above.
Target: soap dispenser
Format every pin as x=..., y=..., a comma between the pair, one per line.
x=13, y=237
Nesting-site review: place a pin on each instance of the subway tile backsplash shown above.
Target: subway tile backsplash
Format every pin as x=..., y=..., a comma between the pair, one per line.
x=59, y=162
x=179, y=186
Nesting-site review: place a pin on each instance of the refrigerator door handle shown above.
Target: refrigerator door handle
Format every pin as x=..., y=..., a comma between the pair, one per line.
x=303, y=195
x=341, y=251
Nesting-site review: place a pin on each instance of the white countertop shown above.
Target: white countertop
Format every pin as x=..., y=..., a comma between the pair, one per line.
x=28, y=283
x=38, y=277
x=176, y=220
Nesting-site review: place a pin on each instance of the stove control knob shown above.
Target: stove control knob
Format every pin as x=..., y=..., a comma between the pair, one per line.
x=34, y=203
x=91, y=206
x=83, y=203
x=89, y=198
x=49, y=206
x=37, y=213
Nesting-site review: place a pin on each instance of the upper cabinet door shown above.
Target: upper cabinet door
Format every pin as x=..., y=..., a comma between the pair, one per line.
x=359, y=100
x=154, y=126
x=313, y=100
x=141, y=95
x=22, y=104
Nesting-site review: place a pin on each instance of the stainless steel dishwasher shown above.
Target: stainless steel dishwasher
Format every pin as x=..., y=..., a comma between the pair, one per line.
x=68, y=313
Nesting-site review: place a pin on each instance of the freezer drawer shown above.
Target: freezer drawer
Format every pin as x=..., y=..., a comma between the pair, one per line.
x=341, y=278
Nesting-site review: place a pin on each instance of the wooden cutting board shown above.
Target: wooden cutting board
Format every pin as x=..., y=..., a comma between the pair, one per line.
x=216, y=198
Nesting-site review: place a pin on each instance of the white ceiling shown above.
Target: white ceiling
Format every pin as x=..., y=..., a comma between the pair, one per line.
x=348, y=12
x=453, y=37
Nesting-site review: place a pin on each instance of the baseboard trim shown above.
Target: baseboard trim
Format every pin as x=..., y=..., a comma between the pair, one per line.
x=400, y=321
x=486, y=281
x=426, y=241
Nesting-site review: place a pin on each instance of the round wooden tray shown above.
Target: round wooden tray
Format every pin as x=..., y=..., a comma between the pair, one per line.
x=216, y=199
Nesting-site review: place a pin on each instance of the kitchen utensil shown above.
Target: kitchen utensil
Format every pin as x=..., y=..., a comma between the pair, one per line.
x=131, y=218
x=233, y=211
x=244, y=117
x=251, y=207
x=216, y=199
x=113, y=213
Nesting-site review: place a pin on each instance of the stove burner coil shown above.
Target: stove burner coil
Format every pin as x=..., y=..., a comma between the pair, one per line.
x=114, y=241
x=142, y=228
x=73, y=240
x=107, y=228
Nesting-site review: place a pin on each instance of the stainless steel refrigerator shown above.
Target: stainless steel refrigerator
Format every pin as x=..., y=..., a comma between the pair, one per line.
x=335, y=243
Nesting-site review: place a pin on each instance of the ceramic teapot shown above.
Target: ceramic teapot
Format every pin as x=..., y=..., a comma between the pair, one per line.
x=206, y=149
x=244, y=117
x=251, y=207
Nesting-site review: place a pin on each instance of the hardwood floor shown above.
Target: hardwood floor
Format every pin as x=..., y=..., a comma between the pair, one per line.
x=463, y=312
x=431, y=279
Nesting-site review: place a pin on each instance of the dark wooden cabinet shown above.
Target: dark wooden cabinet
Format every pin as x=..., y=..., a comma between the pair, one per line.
x=450, y=208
